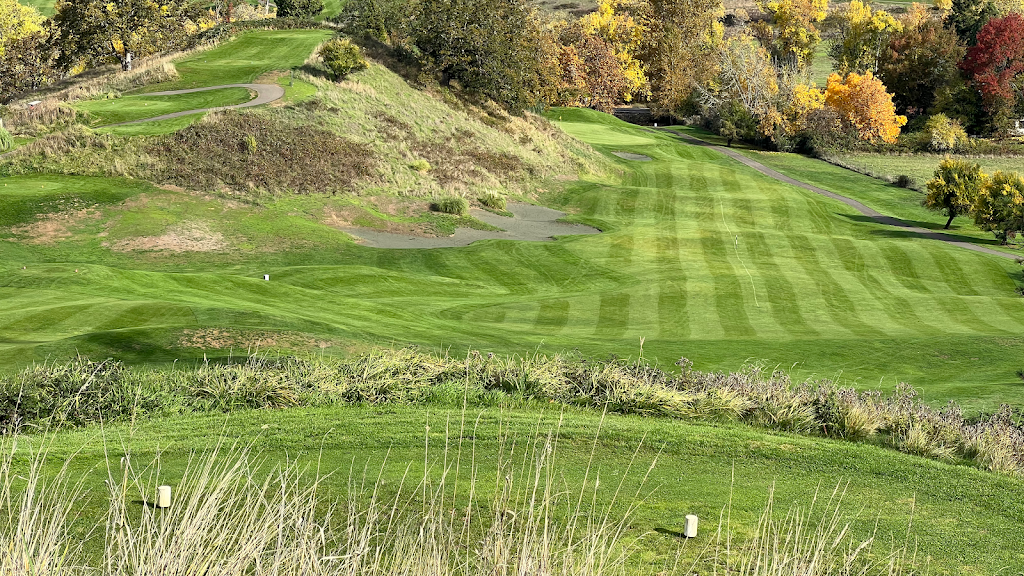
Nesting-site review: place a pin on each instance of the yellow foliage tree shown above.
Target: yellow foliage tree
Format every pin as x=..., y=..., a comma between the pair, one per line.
x=16, y=22
x=863, y=102
x=1004, y=7
x=861, y=34
x=791, y=34
x=804, y=100
x=614, y=23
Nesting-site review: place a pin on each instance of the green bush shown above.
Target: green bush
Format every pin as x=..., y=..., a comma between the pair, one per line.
x=299, y=8
x=421, y=166
x=341, y=56
x=6, y=141
x=451, y=205
x=494, y=201
x=945, y=134
x=904, y=181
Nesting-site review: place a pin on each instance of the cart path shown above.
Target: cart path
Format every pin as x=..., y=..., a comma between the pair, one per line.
x=866, y=211
x=265, y=94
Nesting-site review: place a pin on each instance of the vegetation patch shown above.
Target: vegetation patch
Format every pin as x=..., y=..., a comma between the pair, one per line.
x=246, y=152
x=195, y=236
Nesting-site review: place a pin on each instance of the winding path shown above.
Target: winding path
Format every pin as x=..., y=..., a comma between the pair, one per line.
x=265, y=94
x=869, y=212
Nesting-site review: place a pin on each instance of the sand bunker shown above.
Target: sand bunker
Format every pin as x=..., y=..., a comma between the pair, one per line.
x=531, y=223
x=631, y=156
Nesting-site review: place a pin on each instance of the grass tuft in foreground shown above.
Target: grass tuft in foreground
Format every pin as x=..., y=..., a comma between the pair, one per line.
x=233, y=516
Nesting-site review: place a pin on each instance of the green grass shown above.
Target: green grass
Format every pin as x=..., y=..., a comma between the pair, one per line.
x=244, y=59
x=45, y=7
x=964, y=520
x=700, y=256
x=152, y=128
x=128, y=108
x=920, y=167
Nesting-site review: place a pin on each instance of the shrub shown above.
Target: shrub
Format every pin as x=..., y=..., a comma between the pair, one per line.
x=421, y=166
x=945, y=134
x=904, y=181
x=299, y=8
x=6, y=141
x=250, y=144
x=451, y=205
x=493, y=201
x=341, y=56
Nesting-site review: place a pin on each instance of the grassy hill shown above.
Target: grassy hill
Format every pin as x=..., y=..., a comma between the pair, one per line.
x=955, y=520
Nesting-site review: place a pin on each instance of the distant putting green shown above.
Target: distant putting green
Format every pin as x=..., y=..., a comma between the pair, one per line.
x=244, y=59
x=700, y=256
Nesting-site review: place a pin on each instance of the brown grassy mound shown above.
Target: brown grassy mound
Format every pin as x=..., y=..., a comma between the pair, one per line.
x=246, y=151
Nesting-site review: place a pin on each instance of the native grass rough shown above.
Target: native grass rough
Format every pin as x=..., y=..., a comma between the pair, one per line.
x=84, y=391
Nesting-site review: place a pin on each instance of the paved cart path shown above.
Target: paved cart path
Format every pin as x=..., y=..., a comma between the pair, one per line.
x=265, y=94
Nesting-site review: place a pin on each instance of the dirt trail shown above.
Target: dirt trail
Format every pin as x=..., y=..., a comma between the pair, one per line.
x=869, y=212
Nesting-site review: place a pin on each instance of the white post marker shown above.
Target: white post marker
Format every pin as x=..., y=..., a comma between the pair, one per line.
x=691, y=526
x=163, y=497
x=266, y=277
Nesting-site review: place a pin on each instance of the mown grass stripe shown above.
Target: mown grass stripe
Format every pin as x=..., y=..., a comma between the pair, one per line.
x=613, y=315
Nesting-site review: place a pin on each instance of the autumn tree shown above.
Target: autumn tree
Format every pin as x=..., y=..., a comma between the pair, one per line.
x=859, y=35
x=995, y=65
x=683, y=36
x=968, y=17
x=746, y=78
x=591, y=72
x=999, y=207
x=791, y=32
x=918, y=62
x=955, y=188
x=17, y=22
x=863, y=104
x=92, y=32
x=615, y=23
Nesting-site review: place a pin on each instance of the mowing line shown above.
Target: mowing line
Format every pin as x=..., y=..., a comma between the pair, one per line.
x=736, y=245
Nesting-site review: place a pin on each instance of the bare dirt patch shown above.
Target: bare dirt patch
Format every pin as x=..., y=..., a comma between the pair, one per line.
x=184, y=237
x=52, y=228
x=222, y=339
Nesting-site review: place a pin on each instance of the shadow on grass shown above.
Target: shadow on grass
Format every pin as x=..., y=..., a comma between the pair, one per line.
x=935, y=229
x=672, y=533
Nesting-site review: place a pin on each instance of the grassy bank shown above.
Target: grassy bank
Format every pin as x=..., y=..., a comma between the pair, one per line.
x=698, y=469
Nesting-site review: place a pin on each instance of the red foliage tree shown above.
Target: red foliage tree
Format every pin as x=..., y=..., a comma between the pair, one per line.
x=996, y=61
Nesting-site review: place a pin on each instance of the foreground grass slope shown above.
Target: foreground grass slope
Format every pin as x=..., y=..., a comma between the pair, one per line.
x=700, y=256
x=960, y=520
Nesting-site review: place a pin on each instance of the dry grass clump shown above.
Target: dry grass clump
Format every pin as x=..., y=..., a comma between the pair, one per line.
x=287, y=157
x=231, y=517
x=456, y=205
x=47, y=116
x=752, y=395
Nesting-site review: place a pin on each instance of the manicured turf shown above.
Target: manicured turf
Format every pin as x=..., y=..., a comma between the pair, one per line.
x=128, y=108
x=701, y=256
x=45, y=7
x=964, y=520
x=242, y=60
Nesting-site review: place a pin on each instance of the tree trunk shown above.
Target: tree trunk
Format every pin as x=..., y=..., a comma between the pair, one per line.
x=950, y=221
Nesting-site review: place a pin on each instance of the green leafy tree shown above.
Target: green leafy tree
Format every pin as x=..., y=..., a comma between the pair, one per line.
x=91, y=32
x=968, y=17
x=955, y=188
x=26, y=66
x=1000, y=205
x=341, y=56
x=486, y=46
x=735, y=122
x=384, y=20
x=299, y=8
x=918, y=64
